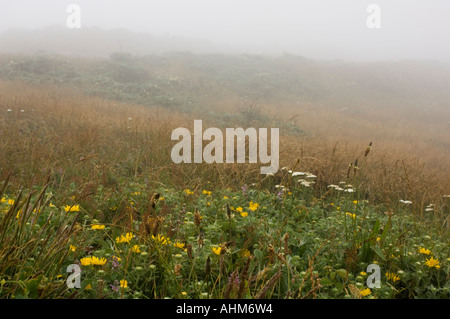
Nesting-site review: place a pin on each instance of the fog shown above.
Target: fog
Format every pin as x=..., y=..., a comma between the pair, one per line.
x=325, y=29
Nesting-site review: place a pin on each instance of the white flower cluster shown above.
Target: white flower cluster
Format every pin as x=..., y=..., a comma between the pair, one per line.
x=344, y=187
x=306, y=178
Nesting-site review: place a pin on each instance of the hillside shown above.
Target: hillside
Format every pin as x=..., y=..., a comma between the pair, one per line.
x=87, y=179
x=95, y=42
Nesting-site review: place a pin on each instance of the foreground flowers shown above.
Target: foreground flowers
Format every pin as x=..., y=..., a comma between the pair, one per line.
x=73, y=208
x=123, y=283
x=124, y=239
x=392, y=277
x=351, y=215
x=433, y=263
x=161, y=239
x=94, y=261
x=217, y=250
x=366, y=292
x=179, y=245
x=253, y=206
x=136, y=249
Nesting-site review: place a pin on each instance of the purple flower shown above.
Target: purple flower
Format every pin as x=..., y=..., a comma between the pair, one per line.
x=115, y=287
x=235, y=281
x=244, y=189
x=280, y=193
x=115, y=263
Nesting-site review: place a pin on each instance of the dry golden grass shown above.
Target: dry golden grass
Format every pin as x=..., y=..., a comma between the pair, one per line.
x=85, y=139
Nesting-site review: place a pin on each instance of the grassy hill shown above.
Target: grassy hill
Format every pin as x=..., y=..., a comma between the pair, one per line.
x=88, y=178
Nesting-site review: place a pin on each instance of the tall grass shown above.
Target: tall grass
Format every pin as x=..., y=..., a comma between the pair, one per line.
x=33, y=246
x=88, y=140
x=95, y=152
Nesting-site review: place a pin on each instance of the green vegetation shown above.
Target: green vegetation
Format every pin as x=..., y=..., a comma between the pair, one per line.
x=248, y=243
x=86, y=178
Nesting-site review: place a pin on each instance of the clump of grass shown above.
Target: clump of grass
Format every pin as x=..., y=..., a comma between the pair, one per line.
x=33, y=245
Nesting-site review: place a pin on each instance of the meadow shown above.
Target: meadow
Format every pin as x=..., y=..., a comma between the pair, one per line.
x=87, y=179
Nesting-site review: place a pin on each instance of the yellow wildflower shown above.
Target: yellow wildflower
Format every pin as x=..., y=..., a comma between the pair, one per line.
x=10, y=202
x=239, y=209
x=179, y=245
x=72, y=248
x=424, y=251
x=217, y=250
x=86, y=261
x=97, y=226
x=363, y=273
x=253, y=206
x=208, y=193
x=433, y=263
x=365, y=292
x=124, y=239
x=392, y=277
x=73, y=208
x=98, y=261
x=188, y=192
x=123, y=283
x=351, y=215
x=161, y=239
x=244, y=214
x=136, y=249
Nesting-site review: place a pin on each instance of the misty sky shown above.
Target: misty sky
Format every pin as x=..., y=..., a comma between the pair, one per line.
x=318, y=29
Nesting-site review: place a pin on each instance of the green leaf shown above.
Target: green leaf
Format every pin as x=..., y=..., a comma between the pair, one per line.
x=326, y=282
x=385, y=230
x=258, y=253
x=378, y=251
x=32, y=287
x=342, y=272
